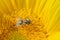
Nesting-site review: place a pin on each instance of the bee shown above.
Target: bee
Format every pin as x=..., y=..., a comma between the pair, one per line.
x=22, y=22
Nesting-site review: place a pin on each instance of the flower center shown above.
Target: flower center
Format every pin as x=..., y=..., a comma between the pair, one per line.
x=27, y=24
x=35, y=30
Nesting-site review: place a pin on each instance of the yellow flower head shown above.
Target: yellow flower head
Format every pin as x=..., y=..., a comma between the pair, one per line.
x=29, y=19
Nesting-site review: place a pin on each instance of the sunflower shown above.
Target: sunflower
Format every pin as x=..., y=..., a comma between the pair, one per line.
x=29, y=19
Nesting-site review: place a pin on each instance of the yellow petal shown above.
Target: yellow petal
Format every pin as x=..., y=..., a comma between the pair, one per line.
x=52, y=16
x=54, y=36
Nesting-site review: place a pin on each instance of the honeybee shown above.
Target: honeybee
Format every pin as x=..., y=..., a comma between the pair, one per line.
x=22, y=22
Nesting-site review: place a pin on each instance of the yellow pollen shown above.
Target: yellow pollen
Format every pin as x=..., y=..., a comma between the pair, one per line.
x=34, y=31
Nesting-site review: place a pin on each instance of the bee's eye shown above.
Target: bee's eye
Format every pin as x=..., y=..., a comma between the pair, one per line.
x=27, y=21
